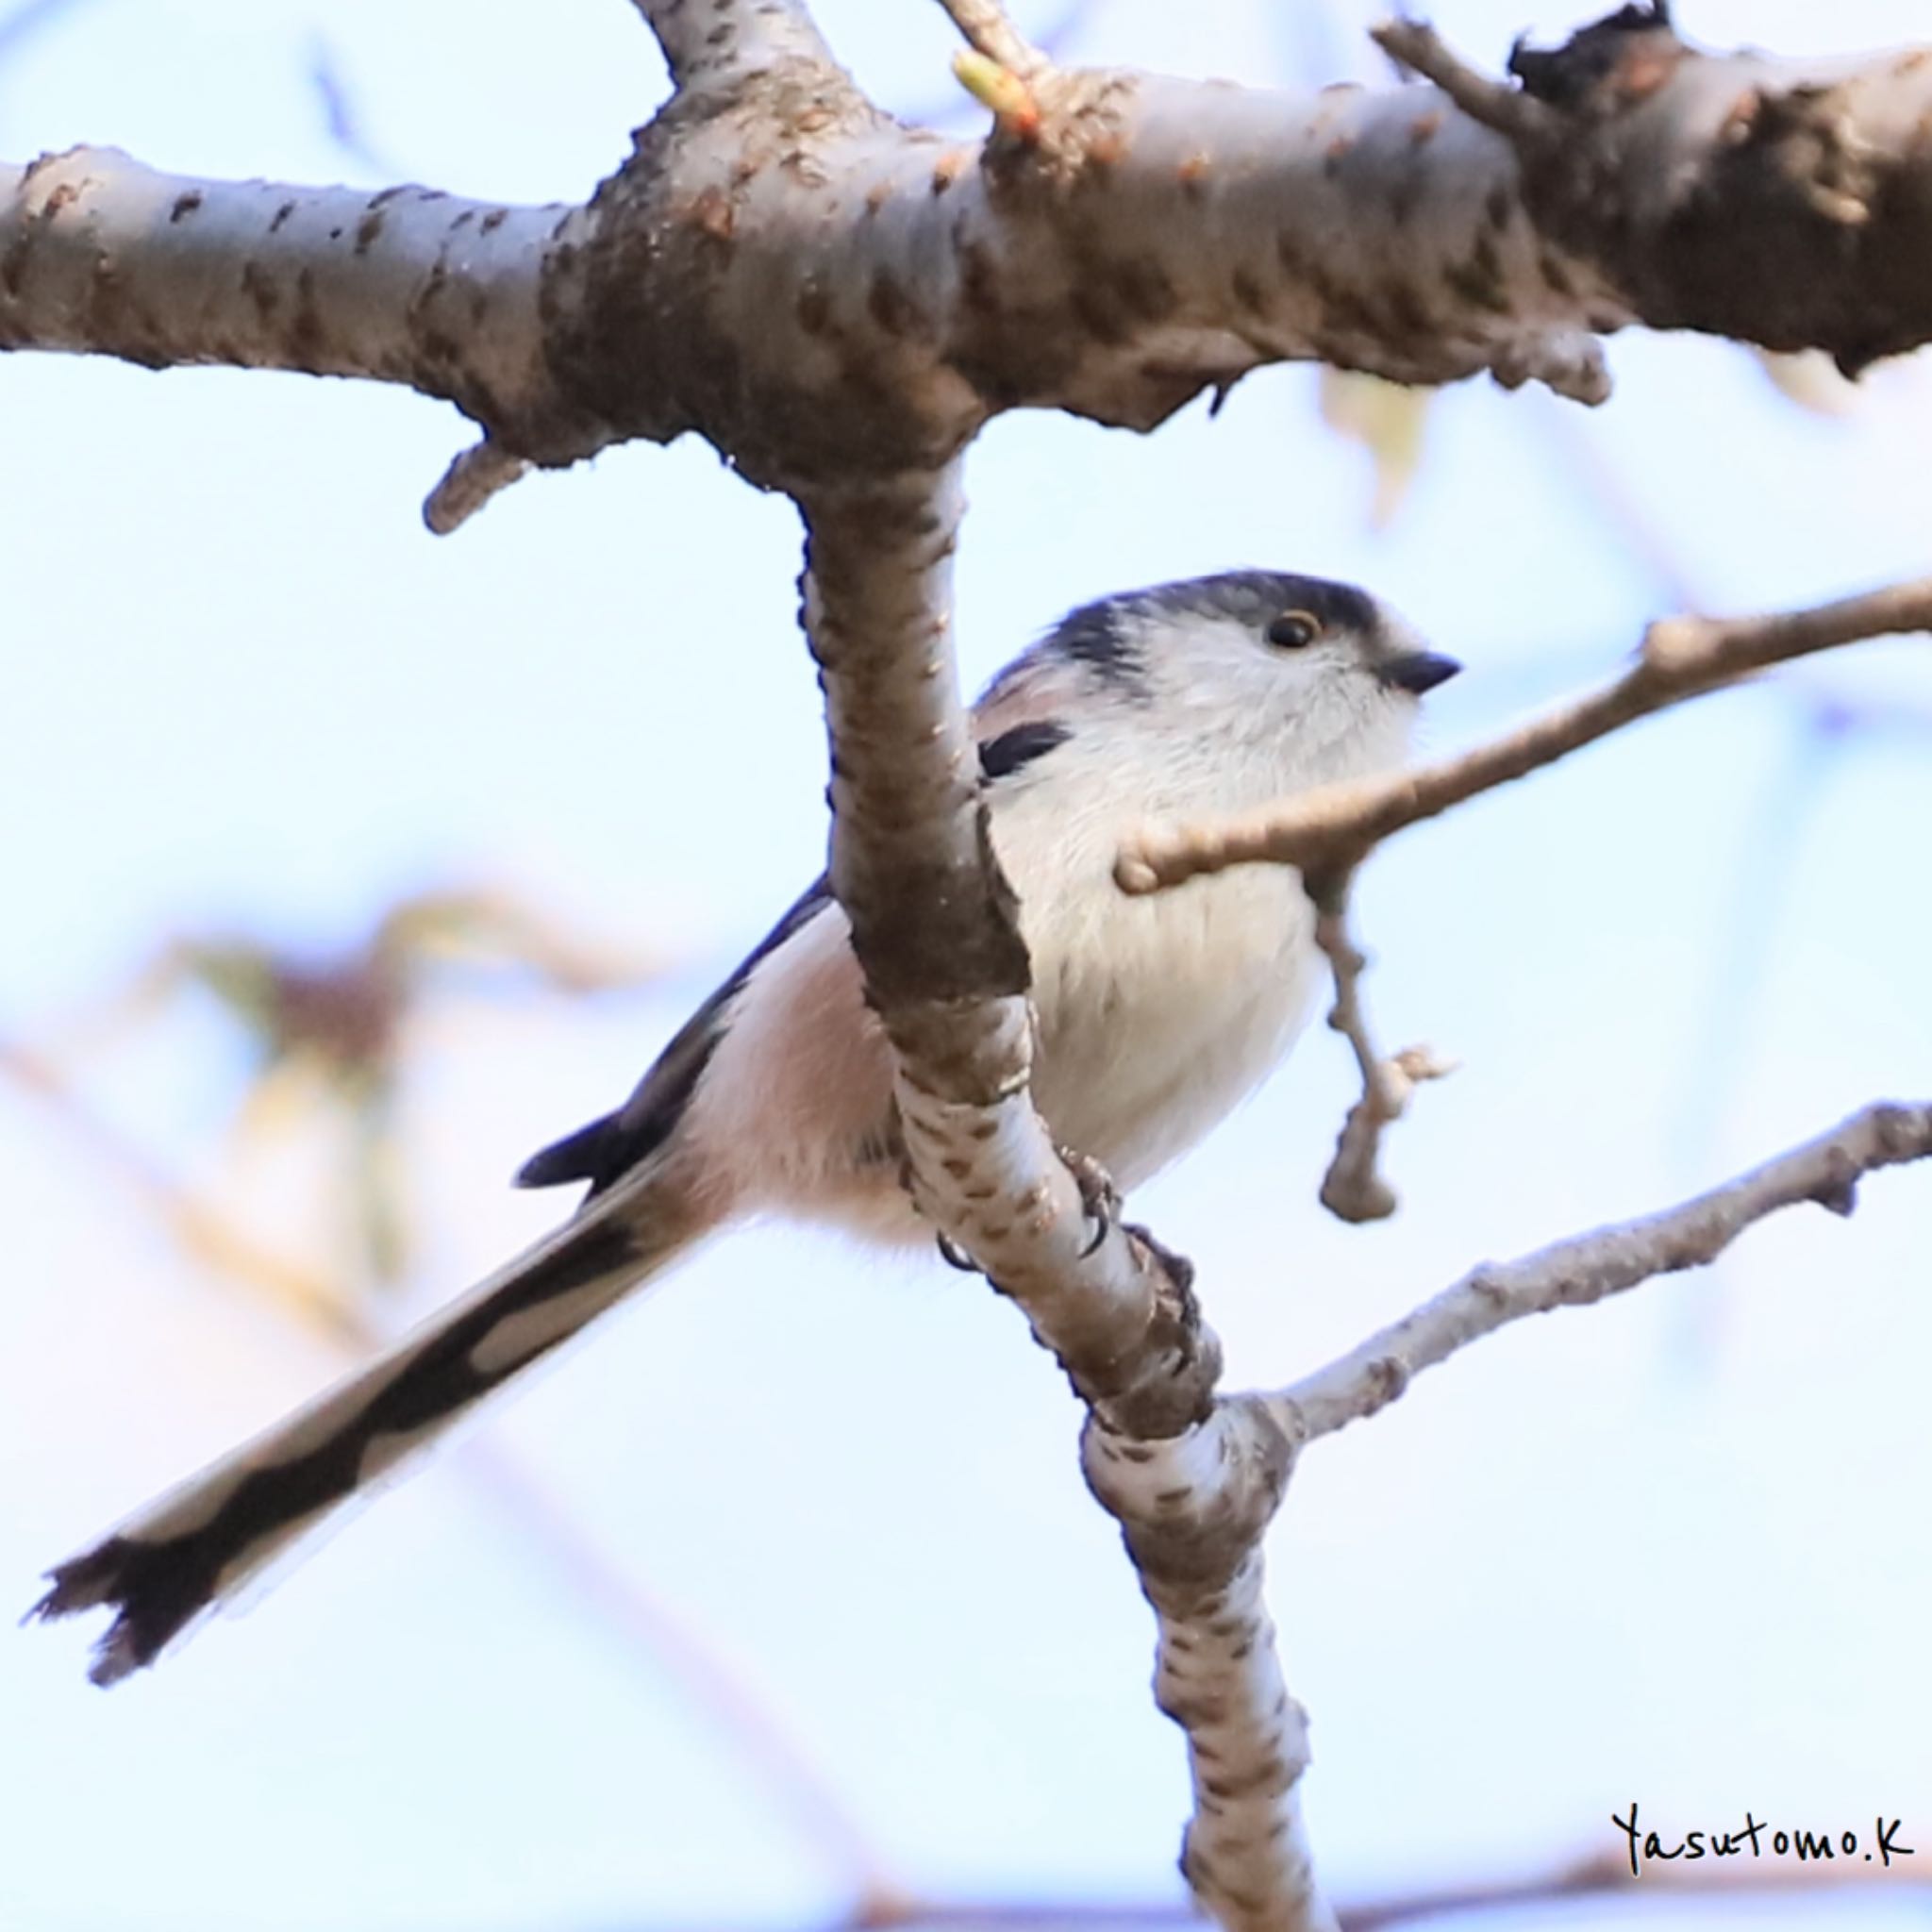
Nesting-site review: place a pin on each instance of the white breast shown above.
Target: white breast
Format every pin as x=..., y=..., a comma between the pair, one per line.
x=1157, y=1015
x=1168, y=1013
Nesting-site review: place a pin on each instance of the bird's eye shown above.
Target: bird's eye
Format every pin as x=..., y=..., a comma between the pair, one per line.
x=1294, y=630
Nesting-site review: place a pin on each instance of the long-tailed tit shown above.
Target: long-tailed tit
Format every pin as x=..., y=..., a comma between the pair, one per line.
x=1156, y=1015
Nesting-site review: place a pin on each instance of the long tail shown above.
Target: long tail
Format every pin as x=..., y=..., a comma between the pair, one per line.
x=196, y=1547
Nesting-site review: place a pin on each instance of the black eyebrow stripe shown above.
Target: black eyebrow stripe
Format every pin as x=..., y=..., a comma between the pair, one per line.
x=1093, y=636
x=1019, y=745
x=1255, y=596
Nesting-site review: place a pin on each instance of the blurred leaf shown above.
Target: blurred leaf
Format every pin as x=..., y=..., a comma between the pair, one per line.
x=342, y=1014
x=493, y=928
x=379, y=1185
x=277, y=1102
x=1387, y=419
x=328, y=1036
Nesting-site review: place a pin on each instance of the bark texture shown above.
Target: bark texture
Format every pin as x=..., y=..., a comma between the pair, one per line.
x=950, y=982
x=823, y=292
x=1572, y=1273
x=1332, y=829
x=100, y=255
x=839, y=303
x=1786, y=203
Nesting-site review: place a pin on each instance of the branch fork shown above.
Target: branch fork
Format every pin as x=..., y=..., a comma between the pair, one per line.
x=839, y=309
x=1014, y=107
x=1333, y=828
x=1354, y=1189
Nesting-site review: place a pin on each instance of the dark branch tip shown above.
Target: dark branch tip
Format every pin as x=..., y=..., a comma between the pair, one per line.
x=1611, y=63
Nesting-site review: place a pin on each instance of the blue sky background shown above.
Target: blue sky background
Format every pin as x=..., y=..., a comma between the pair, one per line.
x=1673, y=1549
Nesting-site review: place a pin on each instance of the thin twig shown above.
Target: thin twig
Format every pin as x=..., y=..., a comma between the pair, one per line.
x=201, y=1229
x=701, y=1678
x=1682, y=657
x=1604, y=1875
x=1416, y=45
x=1352, y=1189
x=475, y=476
x=984, y=27
x=1590, y=1267
x=321, y=1307
x=1607, y=1874
x=1192, y=1482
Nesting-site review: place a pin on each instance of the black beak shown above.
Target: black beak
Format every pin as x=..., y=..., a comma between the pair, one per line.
x=1416, y=672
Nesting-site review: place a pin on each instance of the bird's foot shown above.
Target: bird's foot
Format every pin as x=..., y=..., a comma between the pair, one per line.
x=1098, y=1194
x=954, y=1256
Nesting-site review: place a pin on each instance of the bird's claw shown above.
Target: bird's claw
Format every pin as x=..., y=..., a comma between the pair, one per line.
x=1098, y=1195
x=954, y=1256
x=1178, y=1269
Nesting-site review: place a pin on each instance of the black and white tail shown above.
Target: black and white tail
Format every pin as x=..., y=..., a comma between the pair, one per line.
x=196, y=1547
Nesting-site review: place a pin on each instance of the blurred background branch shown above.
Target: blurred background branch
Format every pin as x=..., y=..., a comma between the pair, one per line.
x=1618, y=1575
x=333, y=1037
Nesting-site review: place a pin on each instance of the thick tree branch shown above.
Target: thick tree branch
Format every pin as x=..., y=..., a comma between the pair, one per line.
x=708, y=41
x=1781, y=202
x=822, y=291
x=933, y=927
x=1682, y=657
x=1152, y=239
x=99, y=254
x=1575, y=1273
x=1192, y=1511
x=839, y=304
x=1192, y=1482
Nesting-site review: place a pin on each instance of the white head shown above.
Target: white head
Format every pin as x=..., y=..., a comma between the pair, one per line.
x=1300, y=678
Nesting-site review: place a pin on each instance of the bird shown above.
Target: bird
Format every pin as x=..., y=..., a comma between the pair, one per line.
x=1155, y=1016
